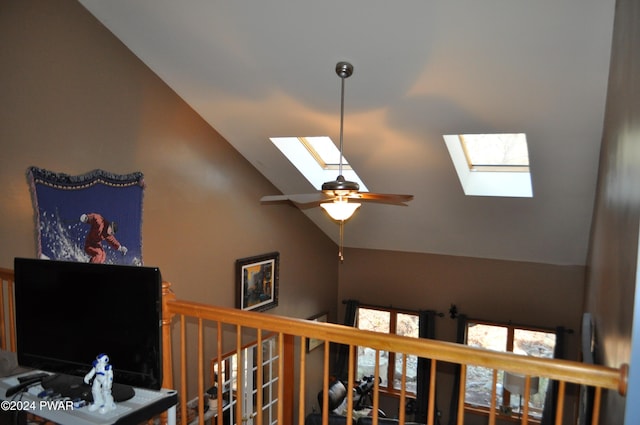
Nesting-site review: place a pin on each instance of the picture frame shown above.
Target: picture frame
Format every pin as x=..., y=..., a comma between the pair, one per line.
x=257, y=282
x=313, y=343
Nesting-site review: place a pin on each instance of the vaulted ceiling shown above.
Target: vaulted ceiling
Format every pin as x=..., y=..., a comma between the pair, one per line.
x=422, y=69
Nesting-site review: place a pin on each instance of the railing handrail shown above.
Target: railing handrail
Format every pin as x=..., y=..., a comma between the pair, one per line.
x=563, y=370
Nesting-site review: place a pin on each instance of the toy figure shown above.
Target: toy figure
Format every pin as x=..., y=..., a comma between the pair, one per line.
x=101, y=388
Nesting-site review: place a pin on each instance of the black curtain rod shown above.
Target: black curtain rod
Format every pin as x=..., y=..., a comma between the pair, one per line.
x=518, y=325
x=453, y=313
x=390, y=307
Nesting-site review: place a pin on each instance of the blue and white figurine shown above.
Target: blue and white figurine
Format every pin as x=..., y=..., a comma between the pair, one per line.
x=101, y=388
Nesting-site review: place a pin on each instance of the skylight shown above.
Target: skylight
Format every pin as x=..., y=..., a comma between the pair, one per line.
x=501, y=152
x=491, y=164
x=317, y=158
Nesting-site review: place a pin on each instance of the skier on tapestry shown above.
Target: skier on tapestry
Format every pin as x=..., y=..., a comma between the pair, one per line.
x=101, y=230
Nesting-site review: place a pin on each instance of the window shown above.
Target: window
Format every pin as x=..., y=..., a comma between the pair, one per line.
x=317, y=158
x=491, y=164
x=520, y=340
x=496, y=152
x=249, y=385
x=388, y=321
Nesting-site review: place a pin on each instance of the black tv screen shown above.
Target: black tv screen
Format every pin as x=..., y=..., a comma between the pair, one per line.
x=67, y=313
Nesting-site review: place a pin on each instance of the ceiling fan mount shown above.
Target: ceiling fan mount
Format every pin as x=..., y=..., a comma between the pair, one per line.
x=340, y=184
x=344, y=69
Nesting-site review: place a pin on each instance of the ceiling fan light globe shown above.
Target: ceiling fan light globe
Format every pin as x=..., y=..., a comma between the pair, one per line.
x=340, y=210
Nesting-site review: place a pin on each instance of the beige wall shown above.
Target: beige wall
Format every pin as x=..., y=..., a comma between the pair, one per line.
x=74, y=99
x=505, y=291
x=614, y=248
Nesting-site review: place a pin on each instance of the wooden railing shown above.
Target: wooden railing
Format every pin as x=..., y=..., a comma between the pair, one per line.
x=7, y=316
x=297, y=331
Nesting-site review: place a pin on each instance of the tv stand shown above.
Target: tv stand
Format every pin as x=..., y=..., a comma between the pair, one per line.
x=143, y=405
x=73, y=387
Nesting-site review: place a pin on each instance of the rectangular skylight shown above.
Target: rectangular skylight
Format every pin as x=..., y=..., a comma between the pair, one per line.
x=317, y=159
x=491, y=164
x=506, y=152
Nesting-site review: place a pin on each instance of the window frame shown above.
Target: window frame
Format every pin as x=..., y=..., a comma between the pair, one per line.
x=393, y=316
x=506, y=394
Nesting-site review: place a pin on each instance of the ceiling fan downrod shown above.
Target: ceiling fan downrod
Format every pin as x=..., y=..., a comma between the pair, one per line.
x=344, y=70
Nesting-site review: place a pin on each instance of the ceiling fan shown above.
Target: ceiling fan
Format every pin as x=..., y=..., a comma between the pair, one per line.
x=340, y=198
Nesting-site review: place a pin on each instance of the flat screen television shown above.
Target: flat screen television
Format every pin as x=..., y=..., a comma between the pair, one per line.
x=67, y=313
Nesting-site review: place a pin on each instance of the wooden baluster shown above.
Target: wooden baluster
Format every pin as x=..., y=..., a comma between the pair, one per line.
x=281, y=372
x=432, y=393
x=325, y=385
x=461, y=392
x=376, y=389
x=183, y=370
x=350, y=383
x=524, y=419
x=200, y=373
x=597, y=399
x=494, y=397
x=303, y=381
x=3, y=334
x=403, y=384
x=8, y=335
x=220, y=380
x=239, y=377
x=560, y=402
x=12, y=322
x=167, y=350
x=258, y=383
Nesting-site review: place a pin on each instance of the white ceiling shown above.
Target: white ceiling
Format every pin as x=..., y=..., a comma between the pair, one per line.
x=422, y=69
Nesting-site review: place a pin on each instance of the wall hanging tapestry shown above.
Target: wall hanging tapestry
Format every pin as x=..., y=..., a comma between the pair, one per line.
x=94, y=217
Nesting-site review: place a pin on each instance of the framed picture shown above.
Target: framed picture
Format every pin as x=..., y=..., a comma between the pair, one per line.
x=315, y=343
x=257, y=282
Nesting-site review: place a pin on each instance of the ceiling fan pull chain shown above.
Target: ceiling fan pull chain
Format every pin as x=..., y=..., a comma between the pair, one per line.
x=340, y=248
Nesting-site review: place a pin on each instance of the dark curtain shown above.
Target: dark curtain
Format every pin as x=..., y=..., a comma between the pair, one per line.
x=426, y=329
x=341, y=368
x=551, y=398
x=461, y=338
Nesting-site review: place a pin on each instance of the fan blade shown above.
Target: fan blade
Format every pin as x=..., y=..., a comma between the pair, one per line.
x=383, y=201
x=274, y=198
x=381, y=197
x=300, y=198
x=308, y=200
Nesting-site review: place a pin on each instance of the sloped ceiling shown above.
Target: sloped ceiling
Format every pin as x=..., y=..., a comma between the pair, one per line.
x=422, y=69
